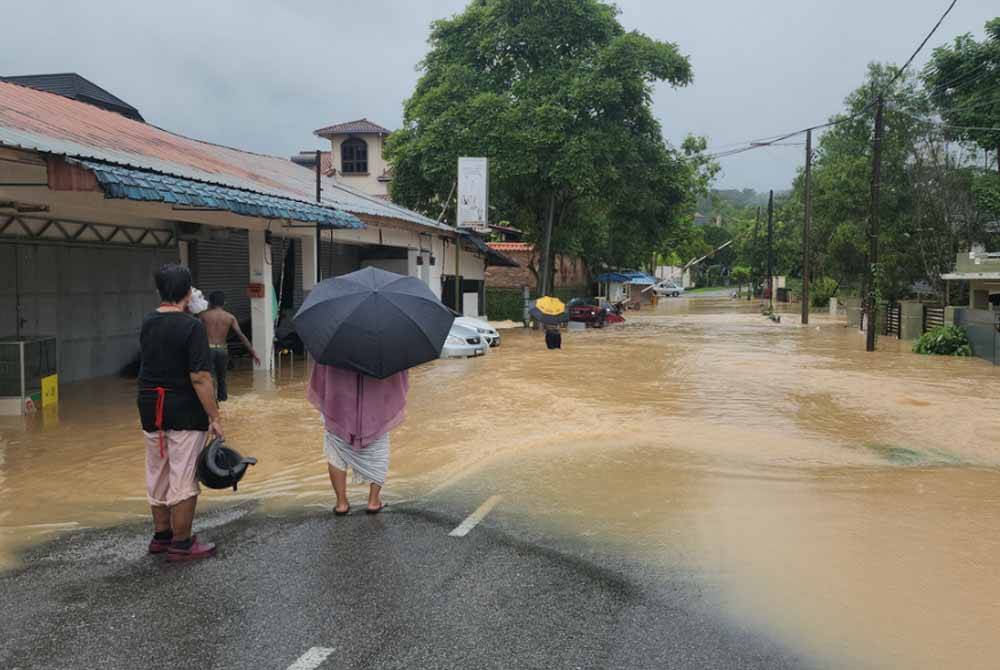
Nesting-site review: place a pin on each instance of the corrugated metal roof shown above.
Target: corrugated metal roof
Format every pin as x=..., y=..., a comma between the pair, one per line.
x=45, y=122
x=359, y=127
x=133, y=184
x=72, y=85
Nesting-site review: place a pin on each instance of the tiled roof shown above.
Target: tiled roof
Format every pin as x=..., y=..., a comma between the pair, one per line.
x=48, y=123
x=494, y=255
x=512, y=246
x=73, y=86
x=132, y=184
x=359, y=127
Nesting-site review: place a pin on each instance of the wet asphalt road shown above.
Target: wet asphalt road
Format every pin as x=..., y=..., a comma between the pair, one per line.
x=387, y=591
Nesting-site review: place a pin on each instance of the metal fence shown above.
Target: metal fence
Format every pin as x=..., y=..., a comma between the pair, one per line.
x=933, y=317
x=893, y=317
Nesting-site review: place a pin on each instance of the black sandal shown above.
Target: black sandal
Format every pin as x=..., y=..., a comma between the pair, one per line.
x=381, y=507
x=337, y=512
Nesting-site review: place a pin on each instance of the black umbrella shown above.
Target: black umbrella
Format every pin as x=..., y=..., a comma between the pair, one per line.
x=373, y=321
x=548, y=319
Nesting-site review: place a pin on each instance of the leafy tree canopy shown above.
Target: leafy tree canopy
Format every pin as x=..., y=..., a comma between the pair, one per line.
x=557, y=94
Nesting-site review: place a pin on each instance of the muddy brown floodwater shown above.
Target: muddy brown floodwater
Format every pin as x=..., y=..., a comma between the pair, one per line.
x=845, y=502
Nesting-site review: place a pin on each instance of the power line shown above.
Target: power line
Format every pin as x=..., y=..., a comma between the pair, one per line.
x=752, y=144
x=922, y=45
x=941, y=124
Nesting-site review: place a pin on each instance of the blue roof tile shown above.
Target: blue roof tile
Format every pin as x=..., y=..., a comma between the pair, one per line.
x=133, y=184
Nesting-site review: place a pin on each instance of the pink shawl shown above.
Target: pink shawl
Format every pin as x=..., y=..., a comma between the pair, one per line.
x=356, y=408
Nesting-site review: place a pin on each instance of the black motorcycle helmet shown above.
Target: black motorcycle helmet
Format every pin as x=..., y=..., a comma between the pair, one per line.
x=220, y=467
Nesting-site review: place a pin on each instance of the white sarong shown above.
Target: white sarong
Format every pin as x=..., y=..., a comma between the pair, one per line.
x=369, y=465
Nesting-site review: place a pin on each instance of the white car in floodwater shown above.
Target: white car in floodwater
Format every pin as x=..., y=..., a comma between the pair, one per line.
x=463, y=342
x=485, y=330
x=668, y=288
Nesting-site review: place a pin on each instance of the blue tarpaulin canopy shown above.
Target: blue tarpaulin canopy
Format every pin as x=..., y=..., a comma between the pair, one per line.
x=626, y=277
x=134, y=184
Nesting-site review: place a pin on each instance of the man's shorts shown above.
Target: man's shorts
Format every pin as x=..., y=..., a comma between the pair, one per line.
x=173, y=478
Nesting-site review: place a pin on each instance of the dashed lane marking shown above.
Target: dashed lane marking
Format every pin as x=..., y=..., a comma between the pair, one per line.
x=312, y=659
x=473, y=519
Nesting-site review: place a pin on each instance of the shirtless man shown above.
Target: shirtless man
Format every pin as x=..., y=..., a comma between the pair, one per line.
x=218, y=322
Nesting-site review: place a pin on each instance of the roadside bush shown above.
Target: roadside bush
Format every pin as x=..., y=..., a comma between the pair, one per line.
x=821, y=290
x=944, y=341
x=504, y=304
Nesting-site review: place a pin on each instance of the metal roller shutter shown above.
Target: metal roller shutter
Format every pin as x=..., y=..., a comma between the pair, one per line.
x=92, y=297
x=224, y=265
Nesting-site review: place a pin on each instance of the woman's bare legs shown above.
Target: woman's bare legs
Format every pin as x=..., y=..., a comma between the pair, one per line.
x=339, y=480
x=374, y=497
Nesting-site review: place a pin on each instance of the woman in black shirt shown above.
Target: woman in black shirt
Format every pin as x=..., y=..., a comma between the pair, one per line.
x=176, y=400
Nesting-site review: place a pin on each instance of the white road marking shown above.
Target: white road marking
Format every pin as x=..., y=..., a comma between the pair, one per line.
x=473, y=519
x=312, y=659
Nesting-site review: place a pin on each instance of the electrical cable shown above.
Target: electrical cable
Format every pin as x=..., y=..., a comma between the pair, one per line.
x=751, y=144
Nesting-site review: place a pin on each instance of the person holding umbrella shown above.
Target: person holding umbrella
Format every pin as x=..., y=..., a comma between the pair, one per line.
x=550, y=312
x=365, y=330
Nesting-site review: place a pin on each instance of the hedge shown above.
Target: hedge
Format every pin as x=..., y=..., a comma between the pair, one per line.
x=507, y=304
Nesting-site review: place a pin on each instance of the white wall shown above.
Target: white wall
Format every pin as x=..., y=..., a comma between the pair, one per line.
x=377, y=165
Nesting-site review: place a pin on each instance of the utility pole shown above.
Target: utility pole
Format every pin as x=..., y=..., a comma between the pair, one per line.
x=770, y=248
x=753, y=262
x=319, y=191
x=805, y=228
x=873, y=222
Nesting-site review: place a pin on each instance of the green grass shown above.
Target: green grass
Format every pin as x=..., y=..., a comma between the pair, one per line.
x=706, y=289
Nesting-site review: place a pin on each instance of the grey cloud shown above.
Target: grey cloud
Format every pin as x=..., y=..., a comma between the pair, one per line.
x=263, y=75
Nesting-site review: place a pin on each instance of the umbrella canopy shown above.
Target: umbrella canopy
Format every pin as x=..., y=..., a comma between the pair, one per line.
x=548, y=319
x=551, y=306
x=373, y=321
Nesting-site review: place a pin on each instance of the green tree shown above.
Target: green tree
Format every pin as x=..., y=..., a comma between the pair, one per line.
x=557, y=94
x=841, y=185
x=963, y=83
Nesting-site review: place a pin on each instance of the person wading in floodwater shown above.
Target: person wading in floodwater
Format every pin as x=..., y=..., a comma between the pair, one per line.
x=358, y=412
x=177, y=407
x=218, y=322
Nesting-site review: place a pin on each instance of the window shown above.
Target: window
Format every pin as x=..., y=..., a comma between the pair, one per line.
x=354, y=156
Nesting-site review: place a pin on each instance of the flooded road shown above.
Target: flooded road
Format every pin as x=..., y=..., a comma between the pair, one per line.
x=843, y=502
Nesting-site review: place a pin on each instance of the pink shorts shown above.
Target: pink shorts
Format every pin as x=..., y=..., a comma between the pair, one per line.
x=173, y=478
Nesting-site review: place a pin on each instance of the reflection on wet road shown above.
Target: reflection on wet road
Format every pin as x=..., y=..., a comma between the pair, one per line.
x=845, y=502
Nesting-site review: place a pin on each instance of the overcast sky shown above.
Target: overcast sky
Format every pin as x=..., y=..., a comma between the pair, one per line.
x=263, y=75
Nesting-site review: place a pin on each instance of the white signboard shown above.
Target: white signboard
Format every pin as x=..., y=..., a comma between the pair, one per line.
x=473, y=194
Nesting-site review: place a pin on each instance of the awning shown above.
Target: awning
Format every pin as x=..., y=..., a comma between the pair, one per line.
x=495, y=258
x=626, y=277
x=134, y=184
x=952, y=276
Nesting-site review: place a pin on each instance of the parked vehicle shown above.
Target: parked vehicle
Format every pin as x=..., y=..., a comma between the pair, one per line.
x=587, y=310
x=485, y=330
x=594, y=312
x=463, y=342
x=668, y=287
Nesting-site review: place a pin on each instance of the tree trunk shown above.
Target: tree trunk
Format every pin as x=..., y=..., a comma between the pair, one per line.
x=547, y=246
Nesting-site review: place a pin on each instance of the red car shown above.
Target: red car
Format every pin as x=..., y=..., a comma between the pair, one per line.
x=593, y=312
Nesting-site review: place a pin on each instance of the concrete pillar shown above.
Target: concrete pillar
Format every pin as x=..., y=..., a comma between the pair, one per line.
x=310, y=263
x=833, y=306
x=183, y=253
x=853, y=311
x=262, y=308
x=412, y=269
x=949, y=315
x=911, y=319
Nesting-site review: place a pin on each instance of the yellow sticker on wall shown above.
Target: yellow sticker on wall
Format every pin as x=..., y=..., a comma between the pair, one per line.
x=50, y=390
